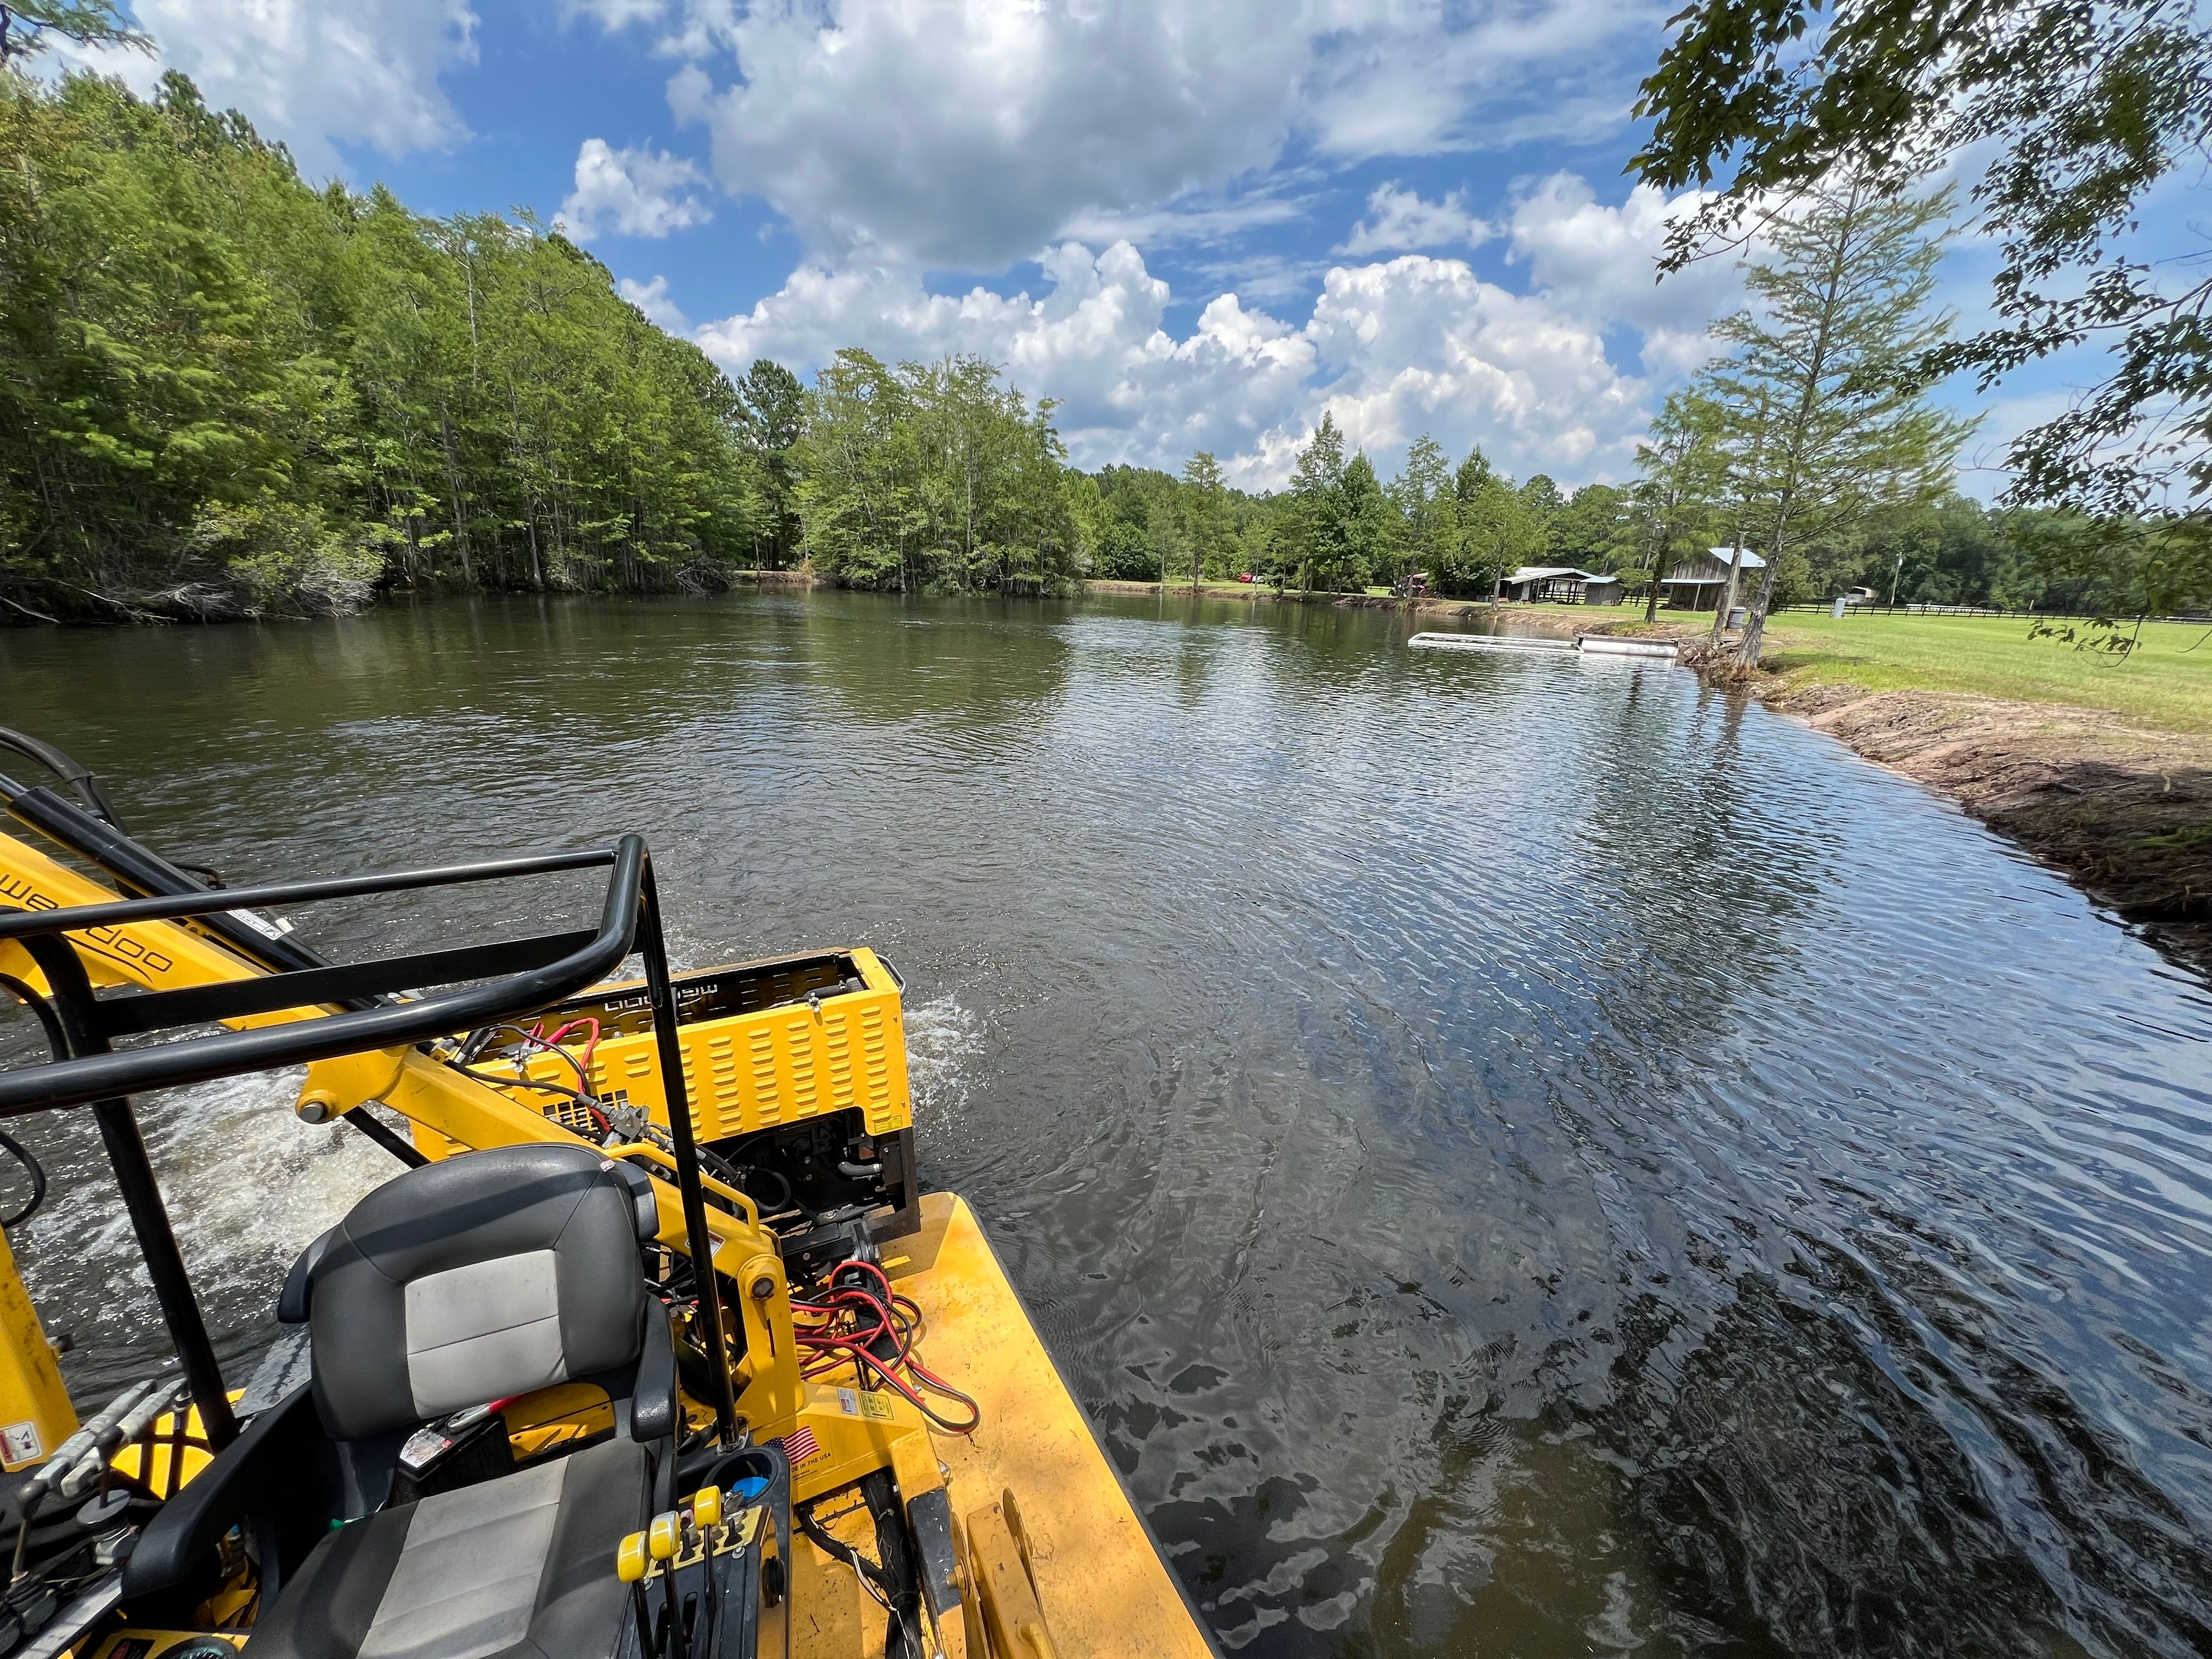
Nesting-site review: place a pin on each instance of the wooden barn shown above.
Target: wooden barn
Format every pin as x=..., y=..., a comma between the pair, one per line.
x=1698, y=583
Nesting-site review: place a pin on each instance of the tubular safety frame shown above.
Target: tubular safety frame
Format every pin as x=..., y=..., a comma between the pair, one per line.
x=519, y=976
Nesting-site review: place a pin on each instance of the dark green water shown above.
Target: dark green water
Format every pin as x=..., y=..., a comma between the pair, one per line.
x=1519, y=1156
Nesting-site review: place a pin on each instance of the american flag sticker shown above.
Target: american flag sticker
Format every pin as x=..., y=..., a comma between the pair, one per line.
x=800, y=1446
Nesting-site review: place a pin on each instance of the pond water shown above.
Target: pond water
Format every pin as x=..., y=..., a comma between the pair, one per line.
x=1518, y=1156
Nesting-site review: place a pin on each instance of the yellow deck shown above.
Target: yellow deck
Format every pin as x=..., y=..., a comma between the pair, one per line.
x=1101, y=1590
x=1103, y=1587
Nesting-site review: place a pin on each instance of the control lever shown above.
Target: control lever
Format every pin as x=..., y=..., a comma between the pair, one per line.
x=92, y=1440
x=665, y=1541
x=707, y=1518
x=631, y=1565
x=662, y=1540
x=120, y=1433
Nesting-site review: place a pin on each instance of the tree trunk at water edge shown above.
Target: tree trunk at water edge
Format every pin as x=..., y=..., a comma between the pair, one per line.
x=1754, y=627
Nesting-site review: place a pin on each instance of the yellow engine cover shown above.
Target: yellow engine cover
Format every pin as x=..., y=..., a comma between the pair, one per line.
x=764, y=1043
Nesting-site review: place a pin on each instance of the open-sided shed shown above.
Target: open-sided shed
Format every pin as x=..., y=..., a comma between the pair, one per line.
x=1559, y=584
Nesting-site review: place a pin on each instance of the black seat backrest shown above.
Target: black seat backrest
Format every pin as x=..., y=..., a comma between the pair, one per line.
x=474, y=1278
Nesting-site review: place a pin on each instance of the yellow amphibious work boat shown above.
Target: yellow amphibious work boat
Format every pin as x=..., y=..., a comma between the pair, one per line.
x=653, y=1345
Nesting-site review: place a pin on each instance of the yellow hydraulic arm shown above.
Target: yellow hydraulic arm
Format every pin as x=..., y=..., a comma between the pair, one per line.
x=451, y=1112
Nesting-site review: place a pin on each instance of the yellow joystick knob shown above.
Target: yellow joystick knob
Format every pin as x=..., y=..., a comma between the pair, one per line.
x=629, y=1559
x=707, y=1506
x=660, y=1539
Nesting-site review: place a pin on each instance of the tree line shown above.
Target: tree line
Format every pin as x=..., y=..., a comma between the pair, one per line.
x=1340, y=527
x=1465, y=525
x=224, y=391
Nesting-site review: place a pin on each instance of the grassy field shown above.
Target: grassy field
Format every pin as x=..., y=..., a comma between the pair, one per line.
x=2167, y=685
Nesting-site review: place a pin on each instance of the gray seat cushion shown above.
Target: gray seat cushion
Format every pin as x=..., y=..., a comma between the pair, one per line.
x=519, y=1568
x=489, y=1274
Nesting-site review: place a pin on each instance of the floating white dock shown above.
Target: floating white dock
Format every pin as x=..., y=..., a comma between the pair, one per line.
x=1594, y=645
x=1516, y=644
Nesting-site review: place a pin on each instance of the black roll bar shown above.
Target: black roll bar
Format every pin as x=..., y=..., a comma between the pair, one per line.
x=392, y=1026
x=141, y=1196
x=531, y=974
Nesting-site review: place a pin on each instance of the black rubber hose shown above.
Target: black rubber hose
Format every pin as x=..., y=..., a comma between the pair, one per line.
x=583, y=1078
x=901, y=1583
x=837, y=1549
x=22, y=1154
x=768, y=1208
x=526, y=1083
x=58, y=1046
x=65, y=767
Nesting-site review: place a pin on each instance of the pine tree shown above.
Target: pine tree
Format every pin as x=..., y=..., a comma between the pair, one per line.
x=1201, y=474
x=1841, y=308
x=1313, y=502
x=1681, y=462
x=1426, y=507
x=1365, y=524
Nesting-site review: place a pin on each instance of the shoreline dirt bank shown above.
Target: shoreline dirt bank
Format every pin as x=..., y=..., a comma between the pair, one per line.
x=2125, y=813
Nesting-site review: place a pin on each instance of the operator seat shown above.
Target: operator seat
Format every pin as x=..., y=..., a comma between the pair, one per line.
x=484, y=1276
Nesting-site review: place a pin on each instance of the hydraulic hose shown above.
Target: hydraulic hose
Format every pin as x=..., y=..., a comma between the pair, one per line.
x=59, y=1047
x=55, y=1043
x=36, y=1171
x=65, y=767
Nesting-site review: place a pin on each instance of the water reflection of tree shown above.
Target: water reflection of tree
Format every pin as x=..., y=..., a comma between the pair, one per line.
x=987, y=664
x=1791, y=1445
x=1780, y=1470
x=1701, y=894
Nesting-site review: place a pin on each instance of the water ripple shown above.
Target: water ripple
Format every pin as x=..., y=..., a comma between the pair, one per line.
x=1517, y=1156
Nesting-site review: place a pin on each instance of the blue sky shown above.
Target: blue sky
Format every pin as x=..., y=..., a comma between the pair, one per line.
x=1197, y=225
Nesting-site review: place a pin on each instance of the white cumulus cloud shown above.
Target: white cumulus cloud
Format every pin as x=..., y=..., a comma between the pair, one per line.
x=1402, y=220
x=652, y=299
x=964, y=134
x=631, y=192
x=1423, y=345
x=1600, y=264
x=316, y=75
x=1393, y=349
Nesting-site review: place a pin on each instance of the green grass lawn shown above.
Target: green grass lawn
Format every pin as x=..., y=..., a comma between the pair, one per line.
x=2166, y=685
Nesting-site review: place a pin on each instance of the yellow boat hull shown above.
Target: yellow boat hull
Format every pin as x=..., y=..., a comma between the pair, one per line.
x=1102, y=1588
